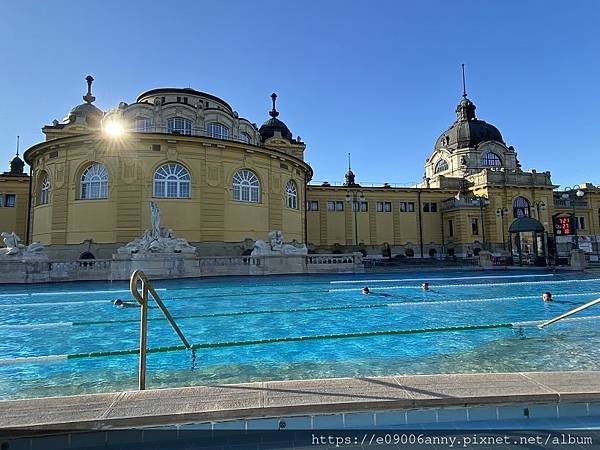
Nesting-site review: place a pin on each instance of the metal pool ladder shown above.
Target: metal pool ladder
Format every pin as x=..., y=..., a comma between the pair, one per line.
x=570, y=313
x=142, y=298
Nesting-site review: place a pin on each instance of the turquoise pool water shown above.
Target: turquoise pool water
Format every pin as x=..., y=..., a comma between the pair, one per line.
x=75, y=318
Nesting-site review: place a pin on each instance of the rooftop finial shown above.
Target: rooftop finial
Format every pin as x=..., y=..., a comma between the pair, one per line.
x=349, y=161
x=464, y=83
x=89, y=98
x=18, y=137
x=273, y=113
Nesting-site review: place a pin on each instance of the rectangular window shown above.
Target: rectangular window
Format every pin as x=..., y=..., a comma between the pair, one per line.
x=474, y=226
x=10, y=200
x=384, y=207
x=580, y=223
x=407, y=207
x=178, y=99
x=312, y=205
x=450, y=228
x=185, y=100
x=360, y=206
x=1, y=200
x=430, y=207
x=335, y=206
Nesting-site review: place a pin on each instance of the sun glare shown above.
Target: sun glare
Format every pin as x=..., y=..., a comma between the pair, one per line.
x=114, y=128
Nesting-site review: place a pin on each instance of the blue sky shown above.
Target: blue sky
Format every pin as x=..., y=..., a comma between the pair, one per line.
x=379, y=79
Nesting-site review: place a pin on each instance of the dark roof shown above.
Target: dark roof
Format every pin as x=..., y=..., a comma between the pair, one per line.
x=267, y=130
x=189, y=91
x=523, y=224
x=467, y=131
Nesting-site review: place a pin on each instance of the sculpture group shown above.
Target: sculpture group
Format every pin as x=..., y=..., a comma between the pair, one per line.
x=275, y=246
x=157, y=240
x=13, y=247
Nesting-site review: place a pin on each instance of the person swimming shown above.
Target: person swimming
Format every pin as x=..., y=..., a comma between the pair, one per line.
x=121, y=304
x=547, y=296
x=367, y=291
x=425, y=286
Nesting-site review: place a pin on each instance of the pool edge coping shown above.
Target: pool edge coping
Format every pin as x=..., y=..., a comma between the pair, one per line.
x=210, y=403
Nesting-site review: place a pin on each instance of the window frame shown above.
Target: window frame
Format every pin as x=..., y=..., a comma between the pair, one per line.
x=384, y=207
x=12, y=203
x=44, y=198
x=312, y=205
x=185, y=127
x=148, y=124
x=174, y=182
x=247, y=183
x=87, y=187
x=438, y=169
x=291, y=191
x=490, y=159
x=223, y=132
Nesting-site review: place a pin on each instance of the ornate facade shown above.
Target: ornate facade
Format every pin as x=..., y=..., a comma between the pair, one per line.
x=222, y=182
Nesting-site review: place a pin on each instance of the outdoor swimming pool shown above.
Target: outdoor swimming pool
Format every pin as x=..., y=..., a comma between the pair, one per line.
x=68, y=321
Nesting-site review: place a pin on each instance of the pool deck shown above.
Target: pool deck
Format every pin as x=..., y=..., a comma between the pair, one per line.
x=293, y=398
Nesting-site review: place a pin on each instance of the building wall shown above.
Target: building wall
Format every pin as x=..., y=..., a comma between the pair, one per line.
x=209, y=215
x=14, y=218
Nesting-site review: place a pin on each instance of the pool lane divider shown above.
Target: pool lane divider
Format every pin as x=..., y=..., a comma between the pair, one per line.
x=486, y=277
x=173, y=348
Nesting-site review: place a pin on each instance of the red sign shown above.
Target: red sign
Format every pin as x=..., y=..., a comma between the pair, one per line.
x=563, y=226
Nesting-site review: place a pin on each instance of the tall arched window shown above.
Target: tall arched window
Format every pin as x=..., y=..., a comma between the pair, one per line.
x=520, y=207
x=143, y=124
x=246, y=186
x=94, y=182
x=44, y=189
x=217, y=130
x=440, y=166
x=291, y=192
x=179, y=125
x=490, y=159
x=171, y=180
x=245, y=137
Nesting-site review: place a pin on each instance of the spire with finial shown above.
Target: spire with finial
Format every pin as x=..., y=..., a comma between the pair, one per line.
x=464, y=83
x=18, y=138
x=350, y=178
x=273, y=113
x=465, y=109
x=89, y=98
x=17, y=164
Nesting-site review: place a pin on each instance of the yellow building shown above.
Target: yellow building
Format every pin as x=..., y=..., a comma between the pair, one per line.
x=14, y=198
x=222, y=182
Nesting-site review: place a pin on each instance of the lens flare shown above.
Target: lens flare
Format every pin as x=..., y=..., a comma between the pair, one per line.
x=114, y=128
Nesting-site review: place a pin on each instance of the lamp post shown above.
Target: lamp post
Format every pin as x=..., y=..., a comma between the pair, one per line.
x=502, y=213
x=574, y=193
x=481, y=201
x=353, y=198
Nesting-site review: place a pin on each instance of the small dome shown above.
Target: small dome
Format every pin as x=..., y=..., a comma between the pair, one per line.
x=91, y=114
x=16, y=166
x=267, y=130
x=467, y=131
x=273, y=125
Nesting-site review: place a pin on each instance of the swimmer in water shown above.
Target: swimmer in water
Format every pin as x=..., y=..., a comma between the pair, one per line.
x=425, y=286
x=121, y=304
x=365, y=291
x=547, y=296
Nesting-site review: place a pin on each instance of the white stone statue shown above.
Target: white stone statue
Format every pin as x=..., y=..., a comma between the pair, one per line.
x=14, y=248
x=154, y=220
x=157, y=240
x=277, y=247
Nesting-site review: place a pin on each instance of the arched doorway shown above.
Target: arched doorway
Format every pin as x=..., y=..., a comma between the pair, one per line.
x=527, y=242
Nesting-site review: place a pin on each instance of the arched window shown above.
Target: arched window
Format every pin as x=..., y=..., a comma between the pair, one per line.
x=245, y=137
x=440, y=166
x=143, y=124
x=292, y=194
x=521, y=207
x=216, y=130
x=246, y=187
x=171, y=180
x=94, y=182
x=490, y=159
x=44, y=190
x=179, y=125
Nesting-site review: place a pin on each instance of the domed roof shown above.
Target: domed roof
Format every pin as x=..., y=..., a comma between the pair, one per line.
x=467, y=131
x=524, y=224
x=86, y=111
x=270, y=127
x=16, y=166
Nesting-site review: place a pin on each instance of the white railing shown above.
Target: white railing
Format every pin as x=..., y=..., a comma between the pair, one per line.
x=330, y=259
x=212, y=261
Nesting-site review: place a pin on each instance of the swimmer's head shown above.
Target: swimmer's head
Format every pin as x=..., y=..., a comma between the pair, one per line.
x=547, y=297
x=118, y=302
x=425, y=286
x=366, y=290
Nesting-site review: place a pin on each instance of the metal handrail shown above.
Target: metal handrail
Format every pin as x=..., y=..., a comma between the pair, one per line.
x=142, y=299
x=570, y=313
